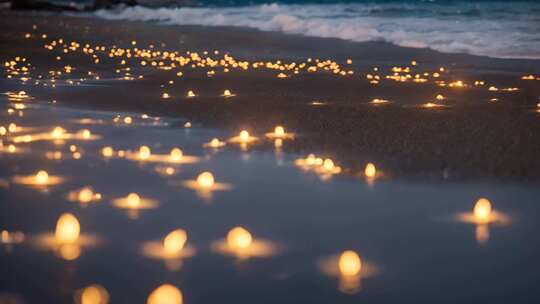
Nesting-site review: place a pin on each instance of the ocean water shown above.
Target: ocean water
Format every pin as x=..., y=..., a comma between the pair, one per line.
x=503, y=29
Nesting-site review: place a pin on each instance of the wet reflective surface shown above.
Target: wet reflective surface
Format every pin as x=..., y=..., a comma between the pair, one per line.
x=410, y=243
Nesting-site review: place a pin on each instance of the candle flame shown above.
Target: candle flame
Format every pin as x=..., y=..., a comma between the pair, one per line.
x=174, y=241
x=239, y=238
x=67, y=229
x=176, y=154
x=42, y=177
x=205, y=179
x=133, y=200
x=370, y=170
x=482, y=209
x=244, y=135
x=349, y=263
x=279, y=131
x=144, y=152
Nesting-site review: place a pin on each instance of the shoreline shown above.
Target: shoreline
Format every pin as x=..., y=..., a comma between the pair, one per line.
x=399, y=137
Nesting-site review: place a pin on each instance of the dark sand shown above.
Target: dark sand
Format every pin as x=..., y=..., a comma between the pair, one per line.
x=472, y=138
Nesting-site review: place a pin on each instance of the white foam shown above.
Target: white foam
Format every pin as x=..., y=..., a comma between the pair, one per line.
x=496, y=29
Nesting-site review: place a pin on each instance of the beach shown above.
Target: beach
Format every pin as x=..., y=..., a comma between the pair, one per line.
x=153, y=162
x=409, y=141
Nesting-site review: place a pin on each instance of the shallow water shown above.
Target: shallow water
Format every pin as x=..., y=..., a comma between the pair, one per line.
x=404, y=230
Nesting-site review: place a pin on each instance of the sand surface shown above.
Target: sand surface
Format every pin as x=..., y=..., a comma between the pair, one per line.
x=471, y=137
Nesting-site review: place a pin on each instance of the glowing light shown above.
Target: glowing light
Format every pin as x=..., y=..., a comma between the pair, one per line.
x=227, y=93
x=190, y=94
x=107, y=151
x=42, y=177
x=94, y=294
x=133, y=200
x=370, y=170
x=244, y=135
x=128, y=120
x=7, y=237
x=439, y=97
x=205, y=179
x=144, y=152
x=58, y=132
x=349, y=263
x=215, y=143
x=176, y=154
x=174, y=242
x=67, y=229
x=165, y=294
x=239, y=238
x=279, y=131
x=165, y=96
x=482, y=209
x=328, y=164
x=187, y=125
x=379, y=101
x=86, y=134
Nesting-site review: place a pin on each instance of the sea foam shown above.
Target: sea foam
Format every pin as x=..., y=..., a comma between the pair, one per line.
x=504, y=30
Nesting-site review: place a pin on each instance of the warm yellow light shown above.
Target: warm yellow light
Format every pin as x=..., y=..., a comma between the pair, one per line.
x=57, y=132
x=165, y=294
x=175, y=241
x=190, y=94
x=42, y=177
x=349, y=263
x=279, y=131
x=85, y=195
x=107, y=151
x=67, y=229
x=215, y=143
x=482, y=209
x=176, y=154
x=144, y=152
x=128, y=120
x=133, y=200
x=244, y=135
x=94, y=294
x=439, y=97
x=227, y=93
x=205, y=179
x=328, y=164
x=165, y=96
x=86, y=133
x=239, y=238
x=12, y=127
x=370, y=170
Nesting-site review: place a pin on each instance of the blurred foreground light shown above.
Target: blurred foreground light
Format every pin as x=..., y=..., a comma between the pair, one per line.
x=165, y=294
x=94, y=294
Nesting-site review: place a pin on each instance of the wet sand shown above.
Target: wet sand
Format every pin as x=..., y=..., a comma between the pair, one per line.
x=472, y=137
